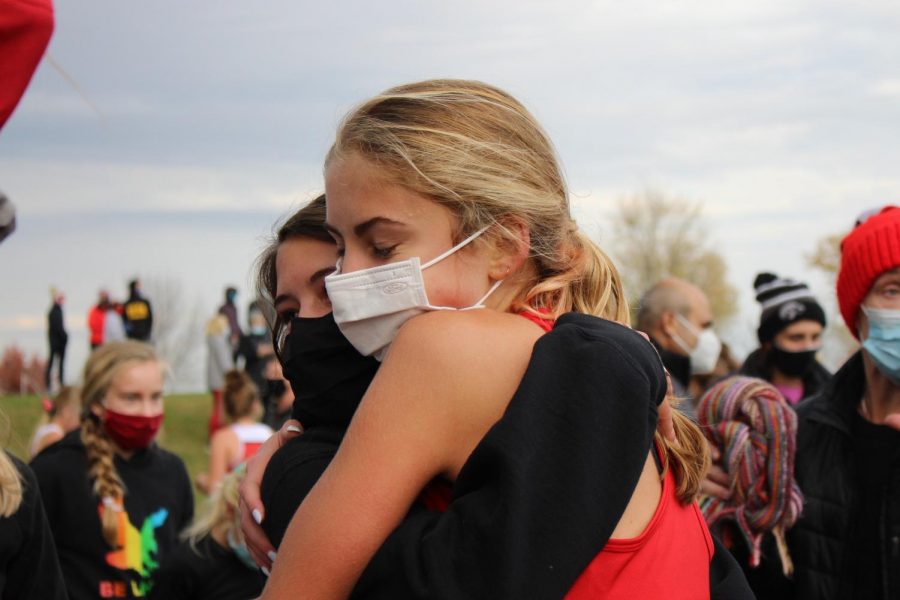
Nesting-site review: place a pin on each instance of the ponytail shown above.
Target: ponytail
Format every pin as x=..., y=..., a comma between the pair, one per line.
x=585, y=280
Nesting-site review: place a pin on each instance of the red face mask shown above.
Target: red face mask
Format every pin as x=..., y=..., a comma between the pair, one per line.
x=131, y=432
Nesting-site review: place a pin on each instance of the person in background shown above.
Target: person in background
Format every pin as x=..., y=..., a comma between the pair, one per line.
x=256, y=346
x=96, y=320
x=137, y=313
x=113, y=324
x=62, y=416
x=29, y=567
x=212, y=561
x=790, y=334
x=115, y=500
x=726, y=365
x=219, y=360
x=677, y=316
x=234, y=444
x=229, y=310
x=58, y=338
x=847, y=542
x=279, y=398
x=748, y=421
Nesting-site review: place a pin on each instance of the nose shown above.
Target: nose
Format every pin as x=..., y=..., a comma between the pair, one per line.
x=150, y=407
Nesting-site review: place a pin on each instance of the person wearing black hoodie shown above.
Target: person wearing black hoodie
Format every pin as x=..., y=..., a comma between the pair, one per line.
x=138, y=315
x=115, y=500
x=790, y=335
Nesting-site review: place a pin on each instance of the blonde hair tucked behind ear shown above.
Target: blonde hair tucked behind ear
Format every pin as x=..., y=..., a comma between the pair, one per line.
x=101, y=368
x=476, y=150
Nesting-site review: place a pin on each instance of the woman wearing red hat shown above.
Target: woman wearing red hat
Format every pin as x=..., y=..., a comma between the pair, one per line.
x=847, y=542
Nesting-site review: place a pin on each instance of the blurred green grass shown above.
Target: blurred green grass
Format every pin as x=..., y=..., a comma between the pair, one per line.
x=184, y=428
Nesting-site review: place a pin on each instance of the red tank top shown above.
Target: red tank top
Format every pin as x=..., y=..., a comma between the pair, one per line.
x=670, y=559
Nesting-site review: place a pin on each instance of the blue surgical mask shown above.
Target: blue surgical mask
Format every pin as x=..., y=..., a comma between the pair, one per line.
x=883, y=341
x=240, y=550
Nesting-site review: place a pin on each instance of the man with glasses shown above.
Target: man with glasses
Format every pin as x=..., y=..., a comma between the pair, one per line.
x=847, y=542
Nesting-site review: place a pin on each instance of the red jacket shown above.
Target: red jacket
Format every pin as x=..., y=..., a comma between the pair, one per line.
x=96, y=319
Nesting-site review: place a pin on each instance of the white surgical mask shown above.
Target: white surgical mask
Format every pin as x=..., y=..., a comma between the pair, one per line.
x=371, y=305
x=705, y=354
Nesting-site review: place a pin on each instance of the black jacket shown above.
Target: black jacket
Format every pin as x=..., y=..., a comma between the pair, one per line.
x=138, y=318
x=56, y=328
x=28, y=564
x=826, y=472
x=158, y=505
x=815, y=379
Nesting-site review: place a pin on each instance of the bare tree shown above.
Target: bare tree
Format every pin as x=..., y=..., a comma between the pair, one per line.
x=838, y=343
x=656, y=236
x=177, y=328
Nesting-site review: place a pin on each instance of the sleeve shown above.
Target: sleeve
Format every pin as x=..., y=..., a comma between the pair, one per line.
x=543, y=491
x=35, y=572
x=726, y=579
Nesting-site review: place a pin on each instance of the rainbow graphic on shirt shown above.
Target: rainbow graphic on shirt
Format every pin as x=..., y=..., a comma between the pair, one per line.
x=137, y=549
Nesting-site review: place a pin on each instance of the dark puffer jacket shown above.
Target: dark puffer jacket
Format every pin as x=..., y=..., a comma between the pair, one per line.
x=826, y=472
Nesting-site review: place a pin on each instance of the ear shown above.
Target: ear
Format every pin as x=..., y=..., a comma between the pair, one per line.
x=97, y=410
x=668, y=322
x=511, y=249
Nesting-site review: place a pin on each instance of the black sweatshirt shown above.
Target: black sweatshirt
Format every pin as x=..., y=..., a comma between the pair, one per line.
x=158, y=505
x=206, y=572
x=28, y=564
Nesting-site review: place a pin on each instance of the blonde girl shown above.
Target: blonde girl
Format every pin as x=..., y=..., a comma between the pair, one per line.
x=212, y=562
x=446, y=201
x=115, y=500
x=28, y=564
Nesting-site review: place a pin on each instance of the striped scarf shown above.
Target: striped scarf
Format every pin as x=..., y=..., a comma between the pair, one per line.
x=755, y=431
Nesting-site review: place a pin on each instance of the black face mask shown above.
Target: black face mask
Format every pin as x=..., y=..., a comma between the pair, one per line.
x=326, y=373
x=276, y=387
x=792, y=364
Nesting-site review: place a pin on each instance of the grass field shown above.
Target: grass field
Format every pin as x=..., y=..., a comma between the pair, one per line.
x=184, y=428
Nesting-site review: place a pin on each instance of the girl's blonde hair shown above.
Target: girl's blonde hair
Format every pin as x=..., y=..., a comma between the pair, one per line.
x=221, y=511
x=10, y=479
x=477, y=151
x=102, y=367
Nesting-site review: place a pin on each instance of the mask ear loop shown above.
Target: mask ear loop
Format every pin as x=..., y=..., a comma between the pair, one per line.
x=459, y=246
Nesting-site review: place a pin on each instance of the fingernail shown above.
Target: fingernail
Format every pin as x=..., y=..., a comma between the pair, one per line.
x=271, y=554
x=257, y=516
x=265, y=571
x=294, y=429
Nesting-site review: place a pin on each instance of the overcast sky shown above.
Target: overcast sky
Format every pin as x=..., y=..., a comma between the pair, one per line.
x=203, y=122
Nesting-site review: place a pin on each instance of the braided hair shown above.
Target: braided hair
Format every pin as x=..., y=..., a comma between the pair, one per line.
x=101, y=369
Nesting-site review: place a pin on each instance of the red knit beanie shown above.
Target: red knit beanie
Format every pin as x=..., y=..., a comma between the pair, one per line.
x=867, y=252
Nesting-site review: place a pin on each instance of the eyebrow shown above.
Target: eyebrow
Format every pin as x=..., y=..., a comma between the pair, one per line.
x=364, y=227
x=282, y=297
x=320, y=274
